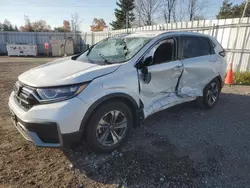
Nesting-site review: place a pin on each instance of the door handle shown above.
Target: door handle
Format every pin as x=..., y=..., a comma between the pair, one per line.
x=213, y=59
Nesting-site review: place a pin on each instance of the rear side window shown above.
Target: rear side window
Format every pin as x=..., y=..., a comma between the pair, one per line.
x=212, y=46
x=195, y=46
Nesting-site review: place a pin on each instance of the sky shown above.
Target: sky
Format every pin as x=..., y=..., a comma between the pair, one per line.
x=55, y=11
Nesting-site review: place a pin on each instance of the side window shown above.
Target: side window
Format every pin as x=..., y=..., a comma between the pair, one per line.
x=162, y=52
x=212, y=46
x=195, y=46
x=165, y=51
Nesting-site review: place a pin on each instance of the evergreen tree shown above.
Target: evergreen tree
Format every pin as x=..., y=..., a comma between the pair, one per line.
x=229, y=11
x=126, y=7
x=5, y=27
x=11, y=28
x=16, y=29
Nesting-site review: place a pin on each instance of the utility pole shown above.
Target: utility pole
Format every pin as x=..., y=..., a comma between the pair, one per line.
x=127, y=24
x=139, y=19
x=73, y=28
x=245, y=8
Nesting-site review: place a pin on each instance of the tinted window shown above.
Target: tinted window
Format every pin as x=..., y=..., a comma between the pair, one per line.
x=164, y=52
x=212, y=46
x=195, y=46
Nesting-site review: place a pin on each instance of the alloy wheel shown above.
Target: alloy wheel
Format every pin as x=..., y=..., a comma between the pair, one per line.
x=112, y=128
x=213, y=93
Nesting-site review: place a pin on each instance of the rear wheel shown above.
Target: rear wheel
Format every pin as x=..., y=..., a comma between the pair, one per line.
x=109, y=126
x=210, y=94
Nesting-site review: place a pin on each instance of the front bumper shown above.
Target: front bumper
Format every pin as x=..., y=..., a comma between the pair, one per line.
x=50, y=125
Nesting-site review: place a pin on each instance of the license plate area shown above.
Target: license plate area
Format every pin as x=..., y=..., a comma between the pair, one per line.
x=19, y=126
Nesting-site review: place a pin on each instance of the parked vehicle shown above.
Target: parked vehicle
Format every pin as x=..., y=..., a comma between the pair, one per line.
x=112, y=87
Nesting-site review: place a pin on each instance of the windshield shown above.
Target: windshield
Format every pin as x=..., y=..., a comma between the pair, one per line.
x=114, y=50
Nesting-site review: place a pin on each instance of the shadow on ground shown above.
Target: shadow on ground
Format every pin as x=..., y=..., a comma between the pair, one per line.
x=182, y=146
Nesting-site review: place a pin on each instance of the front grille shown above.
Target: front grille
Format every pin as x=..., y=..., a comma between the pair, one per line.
x=24, y=96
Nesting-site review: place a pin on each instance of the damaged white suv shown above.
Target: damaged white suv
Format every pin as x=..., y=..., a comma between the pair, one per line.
x=101, y=94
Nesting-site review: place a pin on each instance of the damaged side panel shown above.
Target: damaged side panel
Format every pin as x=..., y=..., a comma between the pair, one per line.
x=158, y=86
x=184, y=79
x=159, y=92
x=167, y=101
x=197, y=73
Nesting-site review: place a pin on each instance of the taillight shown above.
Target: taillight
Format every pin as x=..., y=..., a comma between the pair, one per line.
x=222, y=53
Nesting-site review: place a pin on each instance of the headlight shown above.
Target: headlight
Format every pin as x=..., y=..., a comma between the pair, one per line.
x=59, y=93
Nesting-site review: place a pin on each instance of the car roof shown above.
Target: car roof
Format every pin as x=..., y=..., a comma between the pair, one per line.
x=152, y=34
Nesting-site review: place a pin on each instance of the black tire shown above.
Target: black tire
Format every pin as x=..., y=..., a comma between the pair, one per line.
x=95, y=118
x=204, y=102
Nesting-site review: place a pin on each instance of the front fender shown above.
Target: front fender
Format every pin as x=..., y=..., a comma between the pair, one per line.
x=130, y=101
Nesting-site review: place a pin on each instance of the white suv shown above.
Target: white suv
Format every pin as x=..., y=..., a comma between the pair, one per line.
x=107, y=90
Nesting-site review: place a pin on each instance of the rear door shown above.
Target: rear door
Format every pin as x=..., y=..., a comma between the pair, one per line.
x=200, y=63
x=159, y=80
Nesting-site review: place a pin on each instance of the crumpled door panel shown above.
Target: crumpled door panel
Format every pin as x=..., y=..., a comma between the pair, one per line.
x=167, y=101
x=197, y=73
x=160, y=90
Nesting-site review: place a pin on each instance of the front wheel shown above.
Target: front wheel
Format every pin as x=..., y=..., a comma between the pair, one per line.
x=210, y=95
x=109, y=126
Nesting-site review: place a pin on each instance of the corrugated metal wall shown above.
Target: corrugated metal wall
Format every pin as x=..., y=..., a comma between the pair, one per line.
x=38, y=38
x=233, y=34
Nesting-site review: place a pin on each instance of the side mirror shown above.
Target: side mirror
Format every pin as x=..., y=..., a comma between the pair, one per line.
x=87, y=46
x=148, y=61
x=222, y=53
x=144, y=63
x=145, y=76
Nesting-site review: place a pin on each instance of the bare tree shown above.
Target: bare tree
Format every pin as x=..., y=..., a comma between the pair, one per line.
x=147, y=10
x=174, y=9
x=41, y=26
x=168, y=10
x=179, y=11
x=98, y=25
x=199, y=17
x=27, y=26
x=174, y=15
x=75, y=22
x=66, y=26
x=195, y=7
x=138, y=20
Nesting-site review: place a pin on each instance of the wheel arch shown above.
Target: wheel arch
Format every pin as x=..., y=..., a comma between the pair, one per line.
x=137, y=110
x=220, y=81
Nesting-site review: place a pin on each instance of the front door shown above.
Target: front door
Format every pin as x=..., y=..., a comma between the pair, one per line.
x=159, y=77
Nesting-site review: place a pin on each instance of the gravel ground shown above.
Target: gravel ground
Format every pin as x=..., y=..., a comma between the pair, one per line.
x=180, y=147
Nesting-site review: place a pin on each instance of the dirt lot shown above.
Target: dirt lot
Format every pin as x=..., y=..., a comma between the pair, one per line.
x=179, y=147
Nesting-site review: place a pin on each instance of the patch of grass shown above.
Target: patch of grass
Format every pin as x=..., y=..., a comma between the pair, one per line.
x=242, y=78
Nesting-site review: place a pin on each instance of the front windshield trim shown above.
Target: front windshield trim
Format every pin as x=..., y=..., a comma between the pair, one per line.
x=115, y=37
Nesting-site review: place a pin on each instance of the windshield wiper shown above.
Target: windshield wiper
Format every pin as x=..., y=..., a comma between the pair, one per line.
x=102, y=56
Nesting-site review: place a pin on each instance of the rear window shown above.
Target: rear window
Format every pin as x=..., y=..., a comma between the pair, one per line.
x=195, y=46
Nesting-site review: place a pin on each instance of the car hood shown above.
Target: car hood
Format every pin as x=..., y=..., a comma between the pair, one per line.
x=64, y=71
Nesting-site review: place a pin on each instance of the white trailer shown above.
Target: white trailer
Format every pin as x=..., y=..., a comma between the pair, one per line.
x=21, y=49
